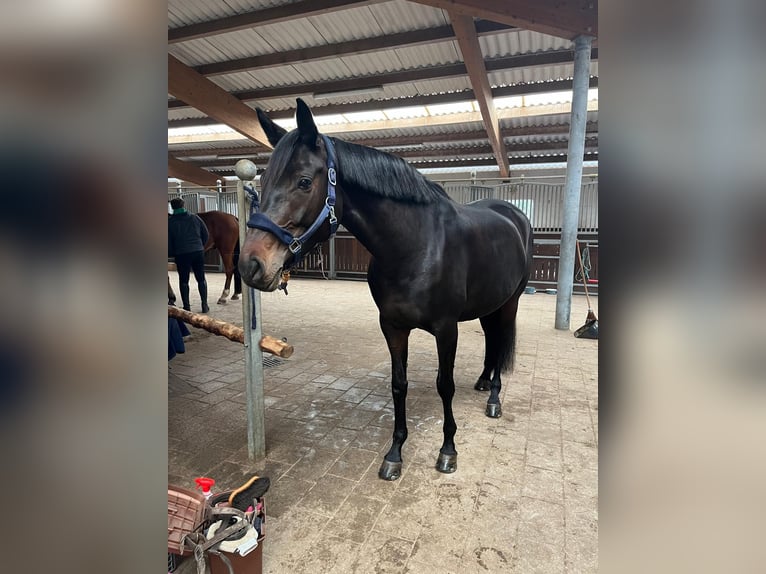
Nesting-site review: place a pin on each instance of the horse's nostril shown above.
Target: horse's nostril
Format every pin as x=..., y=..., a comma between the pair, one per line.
x=250, y=267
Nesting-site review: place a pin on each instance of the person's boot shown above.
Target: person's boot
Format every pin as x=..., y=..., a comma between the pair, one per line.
x=185, y=297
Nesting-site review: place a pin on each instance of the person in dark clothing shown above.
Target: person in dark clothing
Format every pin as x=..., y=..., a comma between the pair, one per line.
x=187, y=236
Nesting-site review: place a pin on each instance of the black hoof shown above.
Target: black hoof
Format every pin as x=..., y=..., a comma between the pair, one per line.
x=494, y=411
x=482, y=385
x=390, y=470
x=446, y=463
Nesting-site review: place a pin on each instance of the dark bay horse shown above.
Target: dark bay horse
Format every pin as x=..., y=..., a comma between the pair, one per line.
x=223, y=235
x=434, y=262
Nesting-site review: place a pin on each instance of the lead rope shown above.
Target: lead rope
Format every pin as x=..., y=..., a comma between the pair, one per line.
x=255, y=206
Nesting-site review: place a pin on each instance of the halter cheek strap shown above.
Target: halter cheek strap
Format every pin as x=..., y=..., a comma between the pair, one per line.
x=295, y=244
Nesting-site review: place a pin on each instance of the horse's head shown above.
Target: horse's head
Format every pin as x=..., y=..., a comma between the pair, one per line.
x=297, y=201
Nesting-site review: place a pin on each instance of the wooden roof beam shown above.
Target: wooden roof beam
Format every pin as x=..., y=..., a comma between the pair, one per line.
x=528, y=159
x=352, y=47
x=546, y=58
x=554, y=17
x=524, y=160
x=199, y=92
x=424, y=100
x=455, y=151
x=394, y=141
x=190, y=172
x=255, y=18
x=474, y=63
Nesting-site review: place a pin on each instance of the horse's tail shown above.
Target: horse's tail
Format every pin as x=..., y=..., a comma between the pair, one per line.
x=510, y=310
x=507, y=334
x=237, y=276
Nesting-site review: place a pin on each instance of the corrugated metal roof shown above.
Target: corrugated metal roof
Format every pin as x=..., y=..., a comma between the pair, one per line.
x=184, y=12
x=443, y=129
x=185, y=113
x=243, y=143
x=373, y=20
x=520, y=42
x=349, y=24
x=400, y=16
x=432, y=54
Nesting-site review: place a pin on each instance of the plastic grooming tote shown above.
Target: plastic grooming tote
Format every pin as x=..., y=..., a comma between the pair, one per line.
x=187, y=510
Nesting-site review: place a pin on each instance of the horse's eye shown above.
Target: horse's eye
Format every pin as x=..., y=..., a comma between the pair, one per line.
x=304, y=183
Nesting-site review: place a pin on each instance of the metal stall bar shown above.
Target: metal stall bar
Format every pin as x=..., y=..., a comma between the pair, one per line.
x=251, y=322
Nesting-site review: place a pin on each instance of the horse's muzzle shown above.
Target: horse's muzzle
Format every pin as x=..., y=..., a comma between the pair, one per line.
x=253, y=274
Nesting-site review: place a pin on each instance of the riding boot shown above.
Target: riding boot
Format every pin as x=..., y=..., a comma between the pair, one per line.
x=185, y=296
x=203, y=295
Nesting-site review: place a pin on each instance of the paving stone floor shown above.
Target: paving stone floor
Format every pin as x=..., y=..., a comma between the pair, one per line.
x=523, y=499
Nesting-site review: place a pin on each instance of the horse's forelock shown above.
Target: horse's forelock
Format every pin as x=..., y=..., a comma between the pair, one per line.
x=280, y=158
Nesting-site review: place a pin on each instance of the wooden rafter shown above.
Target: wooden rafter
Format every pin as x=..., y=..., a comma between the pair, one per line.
x=474, y=63
x=394, y=141
x=352, y=47
x=424, y=100
x=549, y=57
x=554, y=17
x=198, y=91
x=260, y=18
x=453, y=151
x=523, y=160
x=190, y=172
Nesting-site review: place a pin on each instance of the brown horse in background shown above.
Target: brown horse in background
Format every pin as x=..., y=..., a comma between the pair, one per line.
x=223, y=235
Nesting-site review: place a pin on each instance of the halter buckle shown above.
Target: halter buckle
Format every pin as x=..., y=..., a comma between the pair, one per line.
x=294, y=247
x=331, y=176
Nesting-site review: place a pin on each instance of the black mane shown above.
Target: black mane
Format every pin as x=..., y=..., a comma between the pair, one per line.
x=384, y=175
x=376, y=172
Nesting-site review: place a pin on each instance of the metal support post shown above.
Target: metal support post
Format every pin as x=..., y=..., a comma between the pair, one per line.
x=251, y=309
x=579, y=117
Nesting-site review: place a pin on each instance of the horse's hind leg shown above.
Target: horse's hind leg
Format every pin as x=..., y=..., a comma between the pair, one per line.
x=446, y=344
x=228, y=267
x=397, y=340
x=489, y=326
x=506, y=341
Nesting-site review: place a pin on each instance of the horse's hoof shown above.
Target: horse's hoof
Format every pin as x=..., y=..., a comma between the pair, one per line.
x=235, y=297
x=222, y=301
x=482, y=384
x=446, y=463
x=494, y=410
x=390, y=470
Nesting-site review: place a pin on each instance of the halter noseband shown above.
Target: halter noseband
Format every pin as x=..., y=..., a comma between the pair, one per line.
x=295, y=244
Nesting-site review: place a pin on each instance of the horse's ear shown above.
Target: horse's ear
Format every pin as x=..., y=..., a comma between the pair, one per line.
x=273, y=131
x=306, y=126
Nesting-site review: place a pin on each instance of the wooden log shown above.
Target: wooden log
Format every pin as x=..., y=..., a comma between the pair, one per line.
x=276, y=347
x=231, y=332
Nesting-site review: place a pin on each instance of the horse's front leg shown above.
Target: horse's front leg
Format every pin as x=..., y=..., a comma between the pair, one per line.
x=446, y=343
x=397, y=340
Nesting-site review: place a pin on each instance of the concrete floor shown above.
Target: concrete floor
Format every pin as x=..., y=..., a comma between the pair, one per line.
x=524, y=497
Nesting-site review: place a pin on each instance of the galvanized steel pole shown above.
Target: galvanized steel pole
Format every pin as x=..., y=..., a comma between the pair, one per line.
x=251, y=306
x=571, y=208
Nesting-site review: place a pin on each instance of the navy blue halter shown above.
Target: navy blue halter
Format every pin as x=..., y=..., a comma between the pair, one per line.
x=295, y=244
